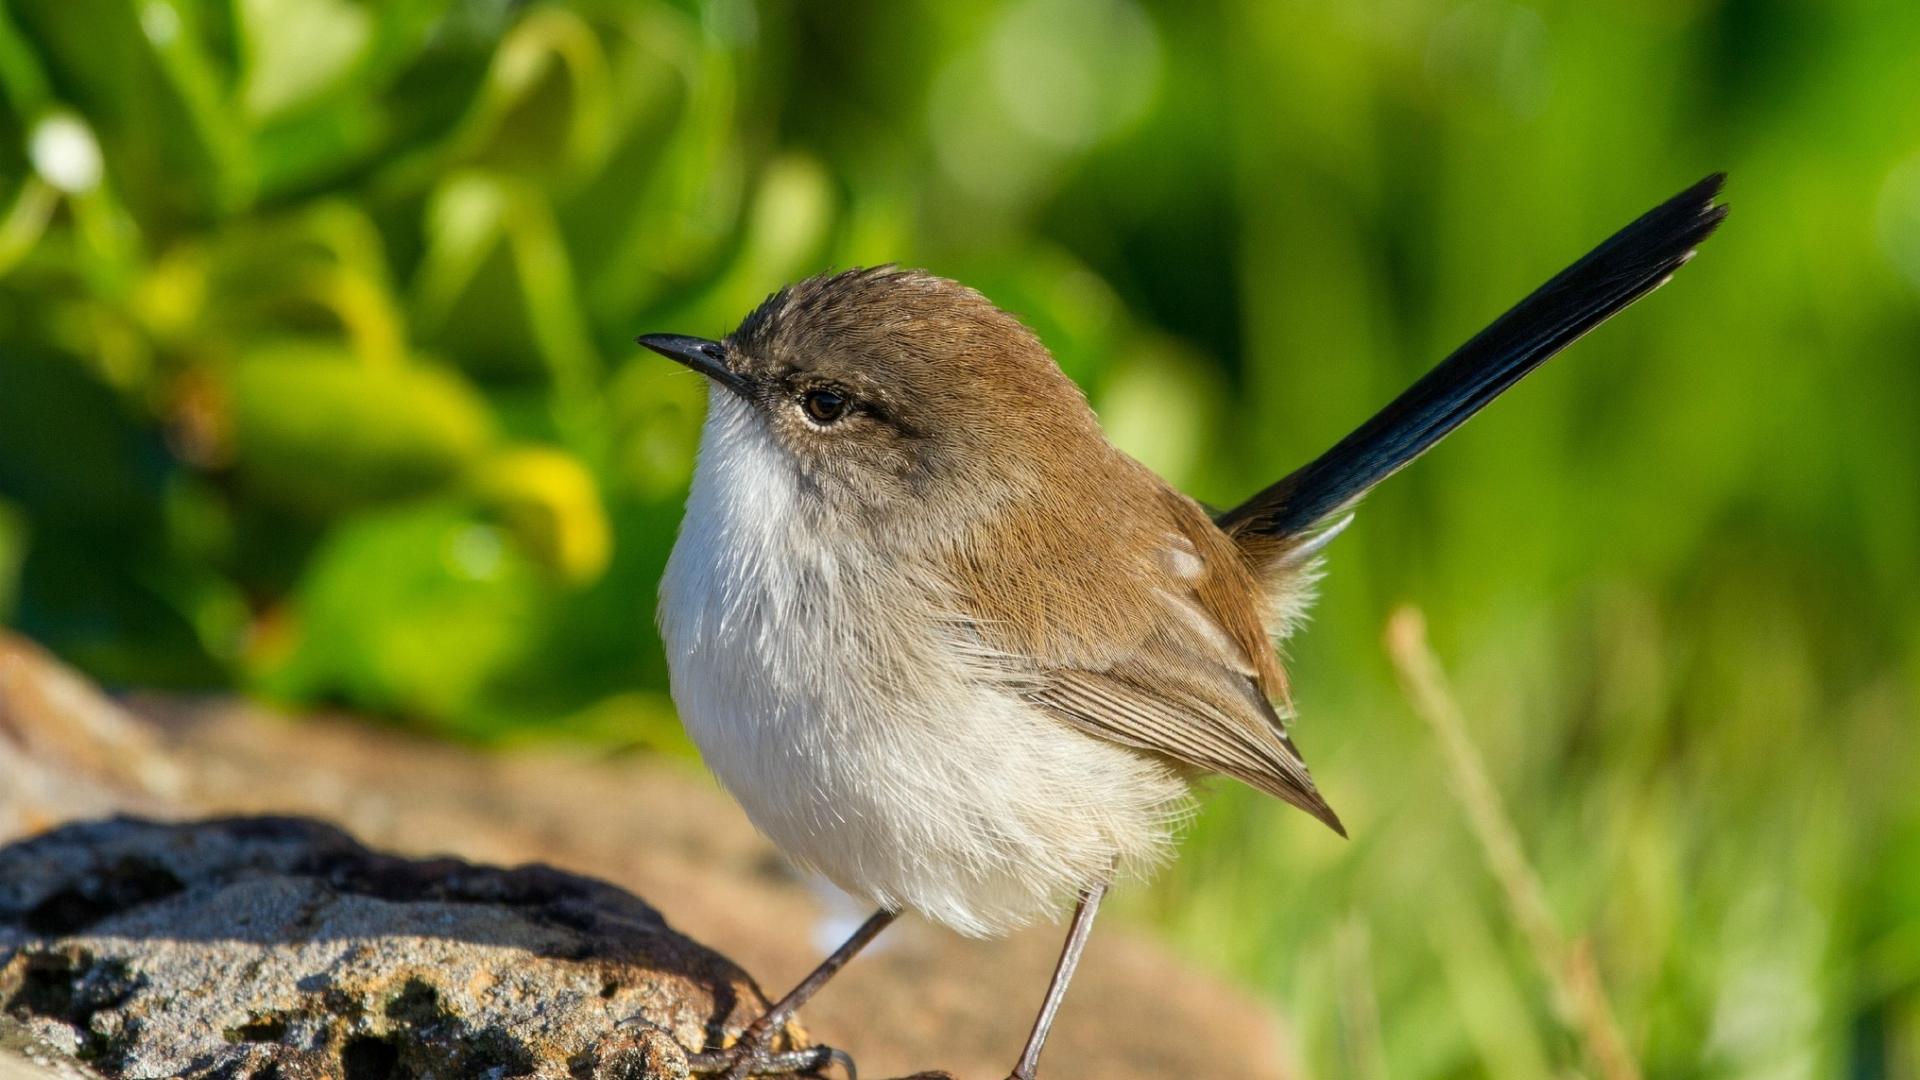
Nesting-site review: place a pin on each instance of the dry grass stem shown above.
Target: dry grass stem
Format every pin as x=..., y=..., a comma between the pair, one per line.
x=1569, y=968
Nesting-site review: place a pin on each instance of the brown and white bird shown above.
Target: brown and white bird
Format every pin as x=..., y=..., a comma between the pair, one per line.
x=954, y=651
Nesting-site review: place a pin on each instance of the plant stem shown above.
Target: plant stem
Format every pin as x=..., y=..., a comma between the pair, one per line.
x=1569, y=968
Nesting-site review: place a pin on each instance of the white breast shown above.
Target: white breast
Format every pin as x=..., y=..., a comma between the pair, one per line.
x=826, y=693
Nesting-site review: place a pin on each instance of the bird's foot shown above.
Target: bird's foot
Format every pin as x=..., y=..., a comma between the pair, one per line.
x=751, y=1057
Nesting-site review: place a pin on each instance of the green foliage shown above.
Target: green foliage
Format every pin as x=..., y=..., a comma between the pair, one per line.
x=412, y=608
x=317, y=316
x=323, y=433
x=316, y=382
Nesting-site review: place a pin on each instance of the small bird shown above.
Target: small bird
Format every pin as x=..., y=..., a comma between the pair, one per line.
x=953, y=650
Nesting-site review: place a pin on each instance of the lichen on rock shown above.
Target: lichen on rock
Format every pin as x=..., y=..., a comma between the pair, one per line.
x=281, y=949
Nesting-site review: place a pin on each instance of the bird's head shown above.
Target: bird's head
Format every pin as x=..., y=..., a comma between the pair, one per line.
x=888, y=389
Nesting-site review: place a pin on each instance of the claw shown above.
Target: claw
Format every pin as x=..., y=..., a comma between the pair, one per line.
x=739, y=1063
x=845, y=1059
x=753, y=1056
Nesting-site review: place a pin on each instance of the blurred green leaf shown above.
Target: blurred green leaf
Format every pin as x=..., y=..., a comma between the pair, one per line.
x=178, y=38
x=690, y=200
x=513, y=123
x=657, y=407
x=551, y=504
x=32, y=206
x=786, y=228
x=14, y=538
x=21, y=75
x=409, y=611
x=1163, y=405
x=464, y=221
x=322, y=432
x=297, y=48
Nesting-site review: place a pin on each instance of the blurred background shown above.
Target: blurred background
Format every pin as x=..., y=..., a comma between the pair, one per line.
x=316, y=383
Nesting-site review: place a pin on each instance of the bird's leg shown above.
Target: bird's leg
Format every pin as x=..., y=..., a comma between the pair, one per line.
x=1062, y=974
x=751, y=1055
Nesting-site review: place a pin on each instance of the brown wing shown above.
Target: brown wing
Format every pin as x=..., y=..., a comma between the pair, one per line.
x=1165, y=651
x=1207, y=718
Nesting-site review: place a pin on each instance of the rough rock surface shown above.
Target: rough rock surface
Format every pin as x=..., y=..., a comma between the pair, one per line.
x=652, y=825
x=279, y=947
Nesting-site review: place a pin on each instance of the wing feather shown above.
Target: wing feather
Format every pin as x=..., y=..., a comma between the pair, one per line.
x=1208, y=717
x=1152, y=635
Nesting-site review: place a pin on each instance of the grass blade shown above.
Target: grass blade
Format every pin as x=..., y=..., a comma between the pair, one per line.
x=1579, y=997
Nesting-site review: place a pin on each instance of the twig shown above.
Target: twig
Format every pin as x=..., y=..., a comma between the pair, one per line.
x=1578, y=995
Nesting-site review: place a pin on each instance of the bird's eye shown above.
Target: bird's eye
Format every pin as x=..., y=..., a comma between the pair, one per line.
x=824, y=406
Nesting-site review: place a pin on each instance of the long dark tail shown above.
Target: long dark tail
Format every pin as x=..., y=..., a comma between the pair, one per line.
x=1632, y=263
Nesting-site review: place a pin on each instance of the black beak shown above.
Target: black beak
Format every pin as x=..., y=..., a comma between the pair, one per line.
x=709, y=358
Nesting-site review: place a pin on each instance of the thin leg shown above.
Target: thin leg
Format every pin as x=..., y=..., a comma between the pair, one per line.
x=749, y=1056
x=1077, y=936
x=776, y=1018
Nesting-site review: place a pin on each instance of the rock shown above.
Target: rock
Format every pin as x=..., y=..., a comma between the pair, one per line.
x=23, y=1057
x=67, y=751
x=279, y=947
